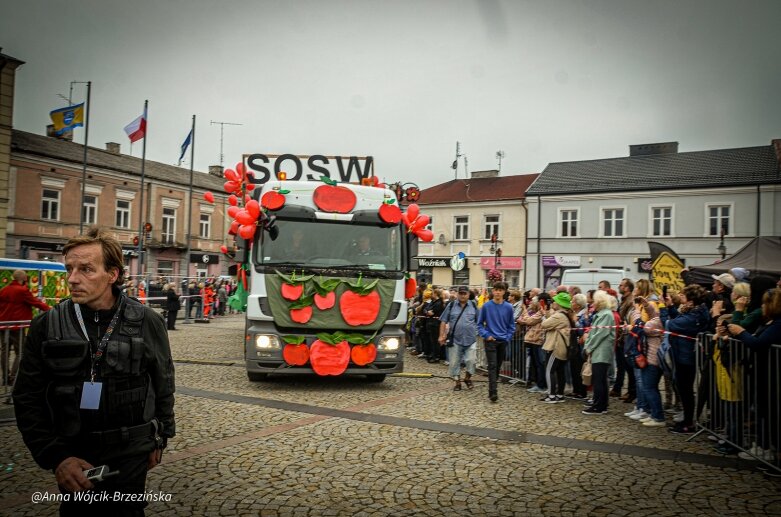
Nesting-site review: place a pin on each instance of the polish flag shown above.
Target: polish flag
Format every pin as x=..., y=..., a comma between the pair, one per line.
x=136, y=130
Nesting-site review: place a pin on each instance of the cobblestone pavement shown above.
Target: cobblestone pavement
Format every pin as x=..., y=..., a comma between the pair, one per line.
x=408, y=446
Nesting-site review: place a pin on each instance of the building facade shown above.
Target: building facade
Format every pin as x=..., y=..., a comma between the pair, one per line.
x=8, y=66
x=45, y=186
x=704, y=205
x=483, y=218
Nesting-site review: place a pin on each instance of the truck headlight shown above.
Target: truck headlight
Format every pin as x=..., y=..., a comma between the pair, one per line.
x=266, y=341
x=388, y=343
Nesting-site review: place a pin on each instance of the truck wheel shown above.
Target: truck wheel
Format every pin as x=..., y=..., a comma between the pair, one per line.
x=375, y=378
x=257, y=377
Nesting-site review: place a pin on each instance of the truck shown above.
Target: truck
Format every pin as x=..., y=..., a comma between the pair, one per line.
x=328, y=269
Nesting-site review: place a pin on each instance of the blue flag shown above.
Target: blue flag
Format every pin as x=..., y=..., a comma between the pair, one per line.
x=65, y=119
x=185, y=145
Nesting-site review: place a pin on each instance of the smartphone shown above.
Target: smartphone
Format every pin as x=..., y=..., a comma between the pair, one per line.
x=99, y=473
x=725, y=323
x=664, y=291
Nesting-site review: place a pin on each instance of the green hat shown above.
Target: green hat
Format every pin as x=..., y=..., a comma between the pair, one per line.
x=563, y=300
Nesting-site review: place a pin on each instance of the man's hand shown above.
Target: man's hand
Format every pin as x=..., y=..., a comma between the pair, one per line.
x=155, y=457
x=490, y=338
x=70, y=474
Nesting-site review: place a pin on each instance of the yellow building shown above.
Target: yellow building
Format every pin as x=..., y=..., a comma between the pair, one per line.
x=483, y=218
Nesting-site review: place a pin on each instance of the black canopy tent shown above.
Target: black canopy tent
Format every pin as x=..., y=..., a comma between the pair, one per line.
x=761, y=256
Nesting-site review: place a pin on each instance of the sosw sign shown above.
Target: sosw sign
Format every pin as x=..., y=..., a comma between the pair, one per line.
x=310, y=167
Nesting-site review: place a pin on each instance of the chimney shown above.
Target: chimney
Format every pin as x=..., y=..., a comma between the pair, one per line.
x=648, y=149
x=776, y=142
x=67, y=135
x=492, y=173
x=112, y=147
x=215, y=170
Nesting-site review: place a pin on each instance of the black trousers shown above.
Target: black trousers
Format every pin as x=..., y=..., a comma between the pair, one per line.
x=684, y=380
x=130, y=480
x=575, y=367
x=495, y=354
x=600, y=383
x=171, y=317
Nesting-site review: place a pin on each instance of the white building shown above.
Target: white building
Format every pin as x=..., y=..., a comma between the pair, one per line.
x=465, y=214
x=602, y=213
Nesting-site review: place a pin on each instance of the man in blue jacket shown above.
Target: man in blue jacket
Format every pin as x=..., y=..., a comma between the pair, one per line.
x=496, y=326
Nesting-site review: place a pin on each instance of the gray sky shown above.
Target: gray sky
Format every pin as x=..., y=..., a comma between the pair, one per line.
x=544, y=81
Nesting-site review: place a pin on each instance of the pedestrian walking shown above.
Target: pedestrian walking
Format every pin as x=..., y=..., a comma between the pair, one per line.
x=106, y=400
x=460, y=340
x=172, y=306
x=496, y=326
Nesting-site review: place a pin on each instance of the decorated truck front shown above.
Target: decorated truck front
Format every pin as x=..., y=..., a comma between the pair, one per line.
x=329, y=269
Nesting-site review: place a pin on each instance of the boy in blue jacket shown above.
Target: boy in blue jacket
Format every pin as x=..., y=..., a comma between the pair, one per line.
x=496, y=326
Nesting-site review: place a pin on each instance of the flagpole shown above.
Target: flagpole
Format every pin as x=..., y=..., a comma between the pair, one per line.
x=189, y=221
x=141, y=232
x=84, y=167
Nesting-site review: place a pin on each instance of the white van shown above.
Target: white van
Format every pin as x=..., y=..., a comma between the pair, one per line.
x=588, y=279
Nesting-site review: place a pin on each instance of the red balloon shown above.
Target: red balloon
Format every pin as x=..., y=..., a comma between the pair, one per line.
x=244, y=217
x=250, y=187
x=419, y=223
x=405, y=219
x=208, y=196
x=425, y=235
x=241, y=171
x=247, y=231
x=224, y=249
x=231, y=186
x=231, y=175
x=232, y=211
x=233, y=200
x=253, y=208
x=413, y=211
x=234, y=229
x=247, y=199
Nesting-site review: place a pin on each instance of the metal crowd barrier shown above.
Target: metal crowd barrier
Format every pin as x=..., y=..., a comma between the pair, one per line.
x=515, y=367
x=740, y=388
x=11, y=337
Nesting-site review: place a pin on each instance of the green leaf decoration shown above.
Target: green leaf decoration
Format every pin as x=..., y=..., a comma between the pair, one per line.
x=304, y=301
x=283, y=191
x=325, y=286
x=357, y=339
x=293, y=340
x=389, y=201
x=294, y=279
x=332, y=339
x=327, y=180
x=359, y=287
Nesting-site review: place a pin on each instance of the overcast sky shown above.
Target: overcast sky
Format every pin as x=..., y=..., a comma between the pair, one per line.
x=543, y=81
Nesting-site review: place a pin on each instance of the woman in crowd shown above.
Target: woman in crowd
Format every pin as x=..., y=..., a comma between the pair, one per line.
x=767, y=375
x=692, y=318
x=600, y=341
x=581, y=319
x=651, y=333
x=431, y=336
x=530, y=320
x=637, y=315
x=557, y=332
x=172, y=305
x=748, y=309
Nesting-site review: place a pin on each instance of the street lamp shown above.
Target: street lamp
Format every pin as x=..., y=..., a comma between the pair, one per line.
x=722, y=248
x=496, y=251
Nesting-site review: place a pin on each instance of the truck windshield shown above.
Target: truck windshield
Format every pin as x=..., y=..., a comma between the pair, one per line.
x=332, y=245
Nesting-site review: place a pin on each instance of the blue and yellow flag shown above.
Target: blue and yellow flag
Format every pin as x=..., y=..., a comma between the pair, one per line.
x=65, y=119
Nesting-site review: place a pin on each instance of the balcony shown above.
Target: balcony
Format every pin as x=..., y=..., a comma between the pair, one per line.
x=163, y=240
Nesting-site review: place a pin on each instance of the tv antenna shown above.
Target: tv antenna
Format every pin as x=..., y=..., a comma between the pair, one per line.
x=222, y=135
x=499, y=156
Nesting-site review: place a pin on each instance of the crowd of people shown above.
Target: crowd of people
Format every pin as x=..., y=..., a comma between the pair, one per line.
x=204, y=298
x=638, y=347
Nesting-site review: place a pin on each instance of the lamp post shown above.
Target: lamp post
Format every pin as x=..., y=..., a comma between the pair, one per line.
x=496, y=251
x=722, y=248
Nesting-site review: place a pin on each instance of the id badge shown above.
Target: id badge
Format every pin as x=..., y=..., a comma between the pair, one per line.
x=90, y=395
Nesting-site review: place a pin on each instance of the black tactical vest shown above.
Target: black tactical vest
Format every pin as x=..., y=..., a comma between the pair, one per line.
x=126, y=397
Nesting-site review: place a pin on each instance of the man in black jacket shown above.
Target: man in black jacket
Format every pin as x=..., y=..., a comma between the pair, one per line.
x=96, y=384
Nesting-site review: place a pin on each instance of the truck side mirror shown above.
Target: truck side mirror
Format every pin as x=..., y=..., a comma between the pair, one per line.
x=412, y=252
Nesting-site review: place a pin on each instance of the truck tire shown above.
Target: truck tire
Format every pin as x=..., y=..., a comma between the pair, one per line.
x=257, y=377
x=375, y=378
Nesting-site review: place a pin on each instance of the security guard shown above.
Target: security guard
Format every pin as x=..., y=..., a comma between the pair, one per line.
x=96, y=383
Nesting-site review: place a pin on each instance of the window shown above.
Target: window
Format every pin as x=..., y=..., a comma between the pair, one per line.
x=661, y=221
x=613, y=222
x=461, y=277
x=204, y=229
x=89, y=210
x=569, y=223
x=50, y=205
x=491, y=226
x=169, y=225
x=718, y=219
x=461, y=232
x=123, y=214
x=165, y=268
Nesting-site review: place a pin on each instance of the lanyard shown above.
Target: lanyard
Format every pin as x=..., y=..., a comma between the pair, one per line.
x=101, y=349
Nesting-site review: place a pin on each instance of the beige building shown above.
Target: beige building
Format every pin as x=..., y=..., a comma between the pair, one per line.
x=8, y=66
x=45, y=185
x=483, y=218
